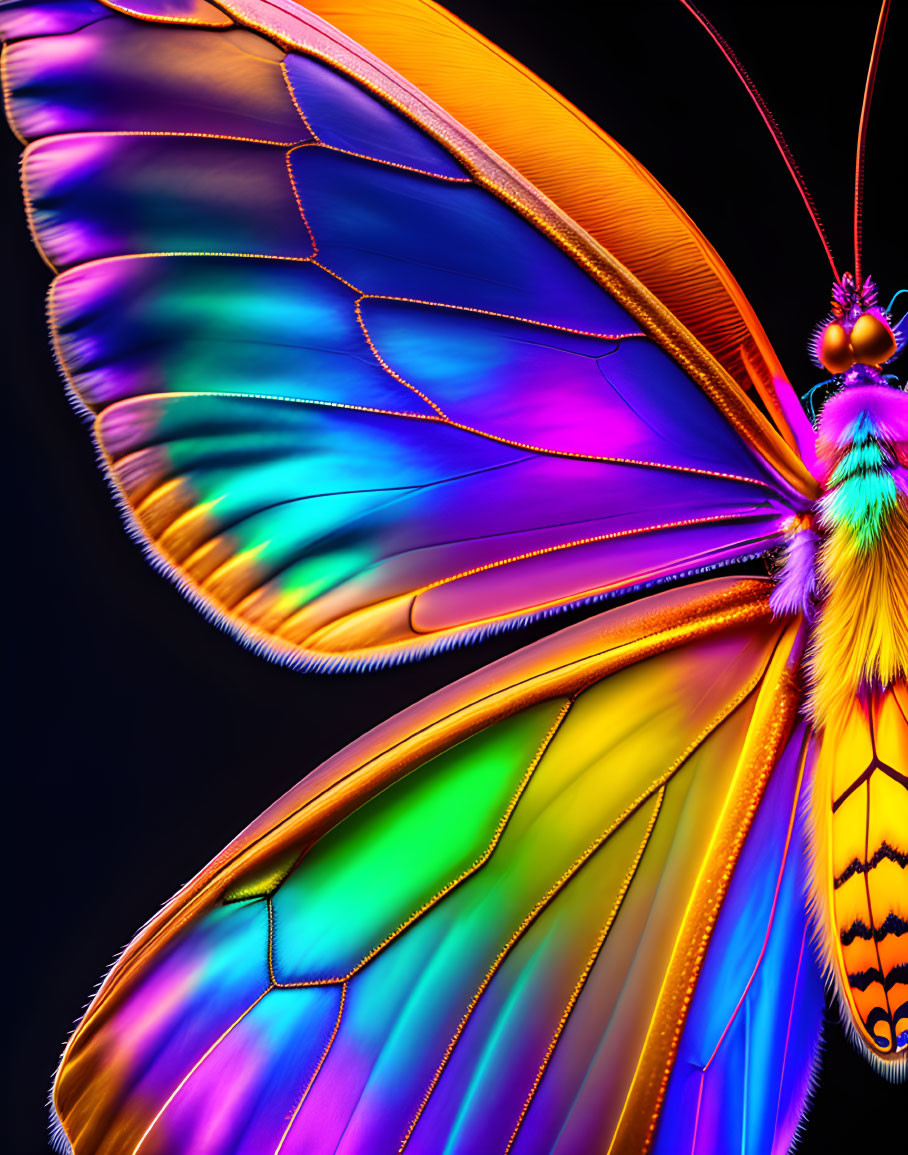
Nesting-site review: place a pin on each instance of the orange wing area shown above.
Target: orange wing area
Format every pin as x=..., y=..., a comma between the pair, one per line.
x=689, y=697
x=579, y=167
x=860, y=803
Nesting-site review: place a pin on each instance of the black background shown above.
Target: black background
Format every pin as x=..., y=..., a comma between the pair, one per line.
x=142, y=738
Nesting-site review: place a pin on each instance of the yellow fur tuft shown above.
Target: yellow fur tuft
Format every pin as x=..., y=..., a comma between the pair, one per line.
x=861, y=638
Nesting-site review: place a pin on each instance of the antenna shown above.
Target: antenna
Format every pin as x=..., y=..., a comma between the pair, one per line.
x=770, y=121
x=862, y=138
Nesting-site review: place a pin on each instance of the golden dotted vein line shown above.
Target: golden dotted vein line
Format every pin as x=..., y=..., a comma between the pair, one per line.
x=381, y=161
x=777, y=731
x=192, y=1070
x=196, y=21
x=82, y=266
x=269, y=906
x=296, y=104
x=387, y=368
x=299, y=200
x=91, y=133
x=594, y=457
x=581, y=541
x=448, y=887
x=585, y=973
x=595, y=333
x=560, y=883
x=219, y=394
x=439, y=416
x=772, y=913
x=316, y=139
x=337, y=277
x=315, y=1073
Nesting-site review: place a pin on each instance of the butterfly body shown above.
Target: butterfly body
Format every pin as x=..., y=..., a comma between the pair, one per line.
x=857, y=597
x=443, y=380
x=846, y=570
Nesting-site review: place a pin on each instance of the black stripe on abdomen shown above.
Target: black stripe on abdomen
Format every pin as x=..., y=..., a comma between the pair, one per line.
x=862, y=980
x=892, y=924
x=856, y=866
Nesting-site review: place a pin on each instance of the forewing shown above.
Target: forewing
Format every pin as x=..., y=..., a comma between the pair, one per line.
x=361, y=390
x=475, y=929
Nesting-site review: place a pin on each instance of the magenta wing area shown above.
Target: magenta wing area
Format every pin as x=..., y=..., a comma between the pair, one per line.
x=355, y=403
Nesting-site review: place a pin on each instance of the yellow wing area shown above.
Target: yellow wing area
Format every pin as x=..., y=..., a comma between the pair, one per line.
x=579, y=167
x=528, y=865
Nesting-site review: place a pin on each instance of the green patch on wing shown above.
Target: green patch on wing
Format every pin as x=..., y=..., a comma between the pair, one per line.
x=389, y=859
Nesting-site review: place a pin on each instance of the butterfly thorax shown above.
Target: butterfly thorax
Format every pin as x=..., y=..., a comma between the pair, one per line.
x=860, y=640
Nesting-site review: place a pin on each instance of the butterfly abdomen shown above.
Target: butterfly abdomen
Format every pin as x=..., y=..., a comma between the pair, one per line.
x=860, y=881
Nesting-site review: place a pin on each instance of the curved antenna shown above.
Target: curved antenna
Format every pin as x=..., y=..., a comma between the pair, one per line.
x=770, y=122
x=862, y=138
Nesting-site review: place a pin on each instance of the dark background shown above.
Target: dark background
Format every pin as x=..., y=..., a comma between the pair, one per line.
x=142, y=738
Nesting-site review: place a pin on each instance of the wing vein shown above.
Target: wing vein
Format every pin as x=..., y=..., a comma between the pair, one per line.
x=585, y=973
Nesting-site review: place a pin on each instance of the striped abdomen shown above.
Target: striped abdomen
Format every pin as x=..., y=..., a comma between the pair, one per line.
x=860, y=804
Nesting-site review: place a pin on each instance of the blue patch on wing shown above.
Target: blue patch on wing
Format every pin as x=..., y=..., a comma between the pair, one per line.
x=343, y=116
x=398, y=234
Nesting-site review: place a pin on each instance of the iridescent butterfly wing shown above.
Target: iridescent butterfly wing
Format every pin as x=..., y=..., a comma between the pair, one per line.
x=365, y=391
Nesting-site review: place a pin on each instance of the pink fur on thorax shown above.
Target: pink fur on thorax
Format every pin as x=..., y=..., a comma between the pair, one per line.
x=886, y=406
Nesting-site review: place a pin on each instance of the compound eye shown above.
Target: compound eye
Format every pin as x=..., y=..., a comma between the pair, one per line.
x=835, y=349
x=872, y=341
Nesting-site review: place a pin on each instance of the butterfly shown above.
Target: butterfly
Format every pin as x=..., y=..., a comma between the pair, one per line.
x=731, y=617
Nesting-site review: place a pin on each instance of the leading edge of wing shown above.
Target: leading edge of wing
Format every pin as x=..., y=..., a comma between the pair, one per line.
x=597, y=200
x=562, y=666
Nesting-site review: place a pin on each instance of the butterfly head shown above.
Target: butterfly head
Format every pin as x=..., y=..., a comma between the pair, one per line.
x=857, y=337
